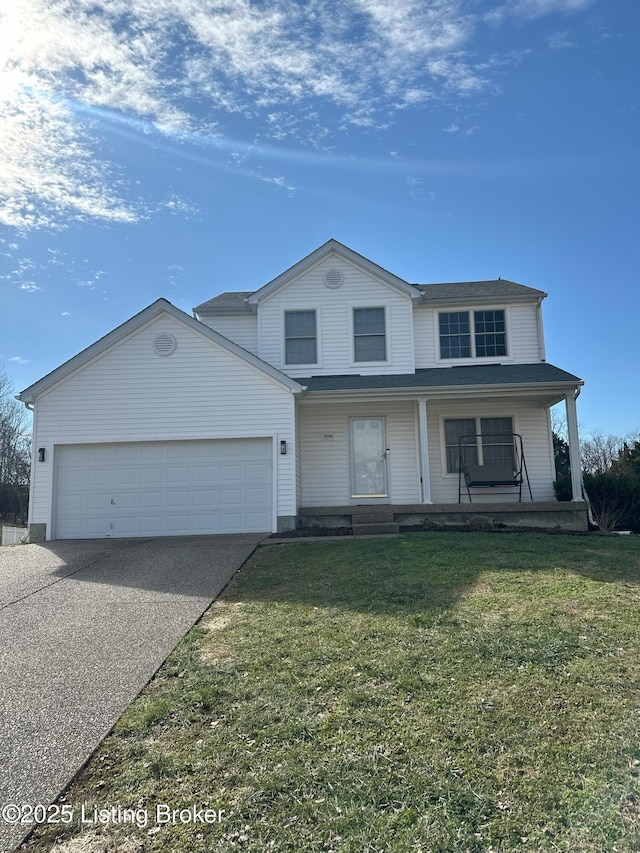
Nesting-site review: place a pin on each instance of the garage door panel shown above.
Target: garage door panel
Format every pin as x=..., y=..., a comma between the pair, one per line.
x=152, y=476
x=164, y=488
x=256, y=497
x=258, y=473
x=176, y=500
x=98, y=477
x=206, y=474
x=126, y=476
x=92, y=502
x=151, y=525
x=151, y=500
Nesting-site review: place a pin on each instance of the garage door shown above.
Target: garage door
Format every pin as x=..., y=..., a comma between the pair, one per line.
x=163, y=488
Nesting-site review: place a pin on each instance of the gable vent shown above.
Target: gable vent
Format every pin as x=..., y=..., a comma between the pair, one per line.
x=333, y=278
x=164, y=344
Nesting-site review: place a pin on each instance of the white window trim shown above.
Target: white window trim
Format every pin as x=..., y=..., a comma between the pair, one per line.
x=447, y=475
x=283, y=325
x=473, y=358
x=387, y=336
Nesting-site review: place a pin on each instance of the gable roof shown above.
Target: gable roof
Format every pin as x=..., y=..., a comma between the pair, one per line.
x=336, y=248
x=160, y=306
x=473, y=290
x=229, y=302
x=448, y=377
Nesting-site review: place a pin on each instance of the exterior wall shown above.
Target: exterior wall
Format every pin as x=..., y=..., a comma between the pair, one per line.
x=522, y=331
x=241, y=329
x=326, y=463
x=131, y=394
x=529, y=419
x=334, y=321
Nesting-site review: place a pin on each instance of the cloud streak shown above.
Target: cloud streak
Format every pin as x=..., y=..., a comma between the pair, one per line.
x=167, y=66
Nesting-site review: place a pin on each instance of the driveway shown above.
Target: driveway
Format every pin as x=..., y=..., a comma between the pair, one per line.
x=83, y=626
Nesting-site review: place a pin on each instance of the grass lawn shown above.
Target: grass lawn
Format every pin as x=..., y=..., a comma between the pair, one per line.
x=435, y=692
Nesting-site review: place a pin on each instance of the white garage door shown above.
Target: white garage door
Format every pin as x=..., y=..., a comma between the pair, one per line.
x=163, y=488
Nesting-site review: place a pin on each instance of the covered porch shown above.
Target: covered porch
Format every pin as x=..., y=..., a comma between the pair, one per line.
x=396, y=448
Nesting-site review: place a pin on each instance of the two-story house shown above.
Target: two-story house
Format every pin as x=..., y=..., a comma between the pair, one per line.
x=333, y=388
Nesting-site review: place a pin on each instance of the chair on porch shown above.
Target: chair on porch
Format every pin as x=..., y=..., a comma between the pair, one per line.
x=503, y=464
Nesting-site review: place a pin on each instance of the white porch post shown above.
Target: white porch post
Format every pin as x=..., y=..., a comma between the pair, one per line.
x=424, y=452
x=574, y=448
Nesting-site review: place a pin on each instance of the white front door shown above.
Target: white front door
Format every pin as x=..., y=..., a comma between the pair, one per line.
x=368, y=458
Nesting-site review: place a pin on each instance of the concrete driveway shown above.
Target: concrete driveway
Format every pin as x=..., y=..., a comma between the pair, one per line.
x=83, y=627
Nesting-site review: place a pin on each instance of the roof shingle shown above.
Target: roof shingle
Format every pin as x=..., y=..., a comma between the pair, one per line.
x=446, y=377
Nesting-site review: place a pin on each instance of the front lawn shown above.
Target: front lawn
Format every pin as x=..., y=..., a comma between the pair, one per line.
x=431, y=693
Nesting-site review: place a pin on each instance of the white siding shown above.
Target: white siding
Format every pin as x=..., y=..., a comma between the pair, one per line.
x=522, y=330
x=334, y=311
x=130, y=394
x=242, y=330
x=530, y=421
x=326, y=468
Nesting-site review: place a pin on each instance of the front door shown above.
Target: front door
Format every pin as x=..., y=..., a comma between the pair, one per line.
x=368, y=458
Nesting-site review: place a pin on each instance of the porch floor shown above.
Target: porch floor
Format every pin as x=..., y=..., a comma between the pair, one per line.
x=543, y=515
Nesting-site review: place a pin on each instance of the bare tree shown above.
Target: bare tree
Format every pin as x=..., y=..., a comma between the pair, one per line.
x=600, y=451
x=15, y=452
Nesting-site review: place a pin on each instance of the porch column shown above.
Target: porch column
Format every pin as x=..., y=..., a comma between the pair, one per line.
x=574, y=447
x=424, y=453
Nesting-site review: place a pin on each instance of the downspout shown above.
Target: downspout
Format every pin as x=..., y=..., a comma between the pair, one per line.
x=541, y=347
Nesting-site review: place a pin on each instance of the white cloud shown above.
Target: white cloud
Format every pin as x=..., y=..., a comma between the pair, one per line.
x=18, y=359
x=535, y=9
x=65, y=314
x=29, y=286
x=560, y=40
x=164, y=66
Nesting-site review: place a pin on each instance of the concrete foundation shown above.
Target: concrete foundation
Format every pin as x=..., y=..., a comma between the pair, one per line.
x=549, y=515
x=37, y=533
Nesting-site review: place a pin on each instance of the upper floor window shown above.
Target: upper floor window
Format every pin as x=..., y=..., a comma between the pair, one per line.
x=300, y=340
x=491, y=333
x=489, y=338
x=455, y=335
x=369, y=334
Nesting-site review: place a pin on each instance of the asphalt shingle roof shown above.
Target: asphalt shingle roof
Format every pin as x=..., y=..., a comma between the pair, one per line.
x=476, y=289
x=228, y=302
x=233, y=302
x=445, y=377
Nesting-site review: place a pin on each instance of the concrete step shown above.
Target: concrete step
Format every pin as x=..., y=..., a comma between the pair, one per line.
x=373, y=516
x=368, y=529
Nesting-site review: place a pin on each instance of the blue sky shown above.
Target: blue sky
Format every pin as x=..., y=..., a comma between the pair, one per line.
x=180, y=148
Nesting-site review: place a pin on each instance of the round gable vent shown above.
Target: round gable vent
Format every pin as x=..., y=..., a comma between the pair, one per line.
x=333, y=278
x=164, y=344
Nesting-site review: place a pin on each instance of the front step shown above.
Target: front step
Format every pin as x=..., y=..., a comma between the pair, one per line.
x=372, y=516
x=374, y=528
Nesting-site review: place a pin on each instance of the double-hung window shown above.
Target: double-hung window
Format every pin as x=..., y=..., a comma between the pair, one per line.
x=300, y=341
x=472, y=334
x=485, y=441
x=369, y=334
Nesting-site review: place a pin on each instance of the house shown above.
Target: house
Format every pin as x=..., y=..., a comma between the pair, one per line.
x=333, y=391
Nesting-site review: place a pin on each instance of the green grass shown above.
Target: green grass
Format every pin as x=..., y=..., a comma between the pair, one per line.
x=437, y=692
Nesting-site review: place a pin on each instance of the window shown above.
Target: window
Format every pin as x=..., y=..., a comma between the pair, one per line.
x=369, y=334
x=455, y=337
x=489, y=337
x=488, y=441
x=454, y=430
x=300, y=337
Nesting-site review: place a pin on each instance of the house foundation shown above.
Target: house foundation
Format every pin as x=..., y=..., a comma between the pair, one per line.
x=569, y=516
